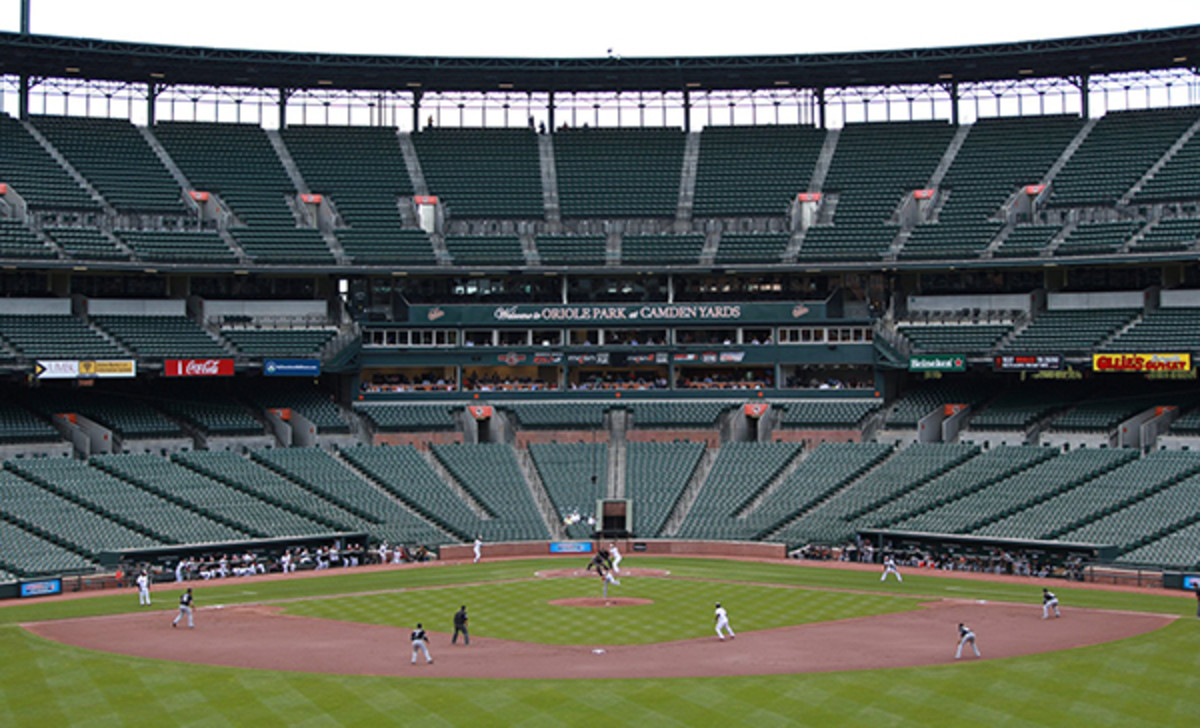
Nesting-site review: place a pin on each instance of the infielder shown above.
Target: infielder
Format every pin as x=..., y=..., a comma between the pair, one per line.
x=143, y=585
x=722, y=620
x=185, y=609
x=419, y=640
x=965, y=635
x=478, y=549
x=889, y=567
x=1049, y=601
x=615, y=557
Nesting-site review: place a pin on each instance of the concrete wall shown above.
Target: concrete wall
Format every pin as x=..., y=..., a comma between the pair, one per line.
x=998, y=302
x=1114, y=299
x=265, y=309
x=741, y=549
x=419, y=440
x=711, y=437
x=37, y=306
x=815, y=437
x=136, y=307
x=525, y=437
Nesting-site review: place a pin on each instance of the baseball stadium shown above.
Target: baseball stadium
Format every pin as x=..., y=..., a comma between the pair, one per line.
x=303, y=353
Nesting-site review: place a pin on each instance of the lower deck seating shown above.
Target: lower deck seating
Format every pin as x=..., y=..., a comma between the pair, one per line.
x=575, y=476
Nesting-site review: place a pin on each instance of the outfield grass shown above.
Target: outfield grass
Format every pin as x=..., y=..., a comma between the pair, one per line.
x=1149, y=680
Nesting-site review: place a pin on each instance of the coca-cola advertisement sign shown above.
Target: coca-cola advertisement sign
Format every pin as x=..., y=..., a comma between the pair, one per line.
x=198, y=368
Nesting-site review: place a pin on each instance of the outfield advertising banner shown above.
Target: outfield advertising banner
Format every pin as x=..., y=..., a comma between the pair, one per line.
x=291, y=367
x=570, y=547
x=198, y=367
x=1141, y=362
x=85, y=369
x=937, y=363
x=41, y=588
x=1028, y=362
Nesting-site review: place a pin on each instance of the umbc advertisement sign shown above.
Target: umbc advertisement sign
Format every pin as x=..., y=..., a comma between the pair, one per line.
x=1141, y=363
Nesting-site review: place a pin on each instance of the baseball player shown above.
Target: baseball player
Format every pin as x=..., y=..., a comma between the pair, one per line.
x=1049, y=601
x=603, y=567
x=460, y=625
x=419, y=642
x=889, y=567
x=965, y=635
x=615, y=557
x=478, y=549
x=722, y=621
x=143, y=585
x=185, y=609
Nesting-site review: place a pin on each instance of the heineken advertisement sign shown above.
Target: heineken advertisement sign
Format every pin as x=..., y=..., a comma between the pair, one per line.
x=937, y=363
x=640, y=314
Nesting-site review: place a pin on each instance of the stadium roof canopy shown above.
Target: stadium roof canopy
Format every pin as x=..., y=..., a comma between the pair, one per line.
x=52, y=56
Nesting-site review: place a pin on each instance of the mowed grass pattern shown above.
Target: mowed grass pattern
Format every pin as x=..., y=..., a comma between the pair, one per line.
x=1149, y=680
x=681, y=609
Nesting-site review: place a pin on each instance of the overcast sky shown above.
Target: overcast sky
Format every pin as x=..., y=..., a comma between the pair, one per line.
x=567, y=28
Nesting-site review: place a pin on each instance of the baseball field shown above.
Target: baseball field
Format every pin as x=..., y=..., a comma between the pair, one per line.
x=815, y=646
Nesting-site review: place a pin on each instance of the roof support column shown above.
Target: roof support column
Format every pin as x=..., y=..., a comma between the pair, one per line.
x=23, y=98
x=416, y=110
x=284, y=95
x=1085, y=104
x=550, y=112
x=952, y=91
x=152, y=92
x=687, y=110
x=25, y=17
x=819, y=95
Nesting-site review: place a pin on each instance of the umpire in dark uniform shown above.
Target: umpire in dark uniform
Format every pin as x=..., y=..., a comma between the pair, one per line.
x=460, y=625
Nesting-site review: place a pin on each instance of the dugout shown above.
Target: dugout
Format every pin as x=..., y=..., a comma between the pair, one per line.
x=1054, y=554
x=162, y=559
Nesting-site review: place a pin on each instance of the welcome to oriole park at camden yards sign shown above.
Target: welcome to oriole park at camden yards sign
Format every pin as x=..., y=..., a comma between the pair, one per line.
x=1141, y=362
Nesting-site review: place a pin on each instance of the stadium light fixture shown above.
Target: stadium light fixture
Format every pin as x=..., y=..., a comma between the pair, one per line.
x=1025, y=71
x=158, y=75
x=783, y=82
x=72, y=69
x=506, y=86
x=1180, y=59
x=324, y=82
x=945, y=76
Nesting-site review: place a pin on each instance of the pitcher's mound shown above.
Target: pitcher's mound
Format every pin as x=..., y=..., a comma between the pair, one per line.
x=600, y=602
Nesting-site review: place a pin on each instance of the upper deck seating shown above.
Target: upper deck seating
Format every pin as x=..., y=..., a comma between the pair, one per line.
x=619, y=172
x=483, y=173
x=754, y=170
x=1120, y=149
x=116, y=160
x=36, y=175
